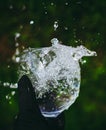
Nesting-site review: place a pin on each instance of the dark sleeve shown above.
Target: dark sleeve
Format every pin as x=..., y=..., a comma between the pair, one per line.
x=29, y=116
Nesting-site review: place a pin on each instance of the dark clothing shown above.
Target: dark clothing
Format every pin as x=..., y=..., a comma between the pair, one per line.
x=29, y=117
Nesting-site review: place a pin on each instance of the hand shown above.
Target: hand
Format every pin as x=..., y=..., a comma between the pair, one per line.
x=30, y=117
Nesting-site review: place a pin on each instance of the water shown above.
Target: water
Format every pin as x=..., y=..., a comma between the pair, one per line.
x=55, y=75
x=55, y=25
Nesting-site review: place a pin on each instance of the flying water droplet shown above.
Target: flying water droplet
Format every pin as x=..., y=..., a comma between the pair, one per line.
x=66, y=3
x=66, y=28
x=13, y=93
x=11, y=7
x=23, y=7
x=83, y=61
x=45, y=12
x=31, y=22
x=16, y=57
x=16, y=44
x=17, y=35
x=52, y=3
x=55, y=25
x=8, y=66
x=10, y=85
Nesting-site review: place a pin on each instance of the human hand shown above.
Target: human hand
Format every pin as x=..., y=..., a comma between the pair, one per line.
x=30, y=117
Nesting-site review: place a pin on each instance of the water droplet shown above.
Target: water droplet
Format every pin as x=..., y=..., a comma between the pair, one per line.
x=5, y=84
x=55, y=25
x=66, y=3
x=83, y=27
x=23, y=7
x=13, y=93
x=31, y=22
x=11, y=7
x=17, y=52
x=13, y=85
x=21, y=26
x=23, y=47
x=98, y=33
x=17, y=59
x=8, y=66
x=78, y=2
x=17, y=35
x=52, y=3
x=83, y=61
x=6, y=96
x=45, y=12
x=66, y=28
x=76, y=41
x=10, y=102
x=16, y=44
x=45, y=7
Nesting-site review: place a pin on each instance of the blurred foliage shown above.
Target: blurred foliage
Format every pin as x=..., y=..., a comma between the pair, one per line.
x=80, y=22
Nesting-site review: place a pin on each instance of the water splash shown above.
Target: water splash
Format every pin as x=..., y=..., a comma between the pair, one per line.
x=55, y=75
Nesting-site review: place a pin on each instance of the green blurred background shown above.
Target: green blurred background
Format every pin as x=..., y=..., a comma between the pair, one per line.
x=29, y=23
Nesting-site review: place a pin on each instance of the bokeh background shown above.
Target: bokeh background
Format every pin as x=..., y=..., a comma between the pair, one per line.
x=30, y=23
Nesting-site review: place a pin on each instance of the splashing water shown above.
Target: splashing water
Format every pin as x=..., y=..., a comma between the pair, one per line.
x=55, y=74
